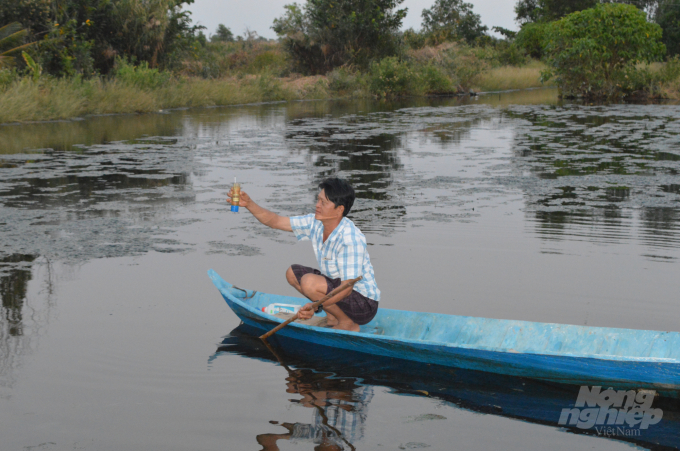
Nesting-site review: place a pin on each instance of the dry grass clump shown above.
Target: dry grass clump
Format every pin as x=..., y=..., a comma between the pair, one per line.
x=510, y=77
x=428, y=54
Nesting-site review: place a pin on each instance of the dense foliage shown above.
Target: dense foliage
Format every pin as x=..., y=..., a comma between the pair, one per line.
x=86, y=36
x=323, y=34
x=593, y=53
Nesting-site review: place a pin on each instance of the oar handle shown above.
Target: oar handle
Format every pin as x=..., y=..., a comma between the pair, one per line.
x=315, y=305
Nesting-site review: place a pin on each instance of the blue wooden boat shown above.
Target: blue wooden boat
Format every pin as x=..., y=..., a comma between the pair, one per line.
x=568, y=354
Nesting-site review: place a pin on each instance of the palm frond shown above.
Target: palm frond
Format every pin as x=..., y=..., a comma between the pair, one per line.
x=12, y=40
x=14, y=50
x=10, y=29
x=11, y=43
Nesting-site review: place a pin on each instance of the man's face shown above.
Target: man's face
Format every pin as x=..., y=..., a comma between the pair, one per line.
x=325, y=209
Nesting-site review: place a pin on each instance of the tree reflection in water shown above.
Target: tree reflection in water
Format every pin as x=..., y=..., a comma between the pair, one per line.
x=600, y=172
x=20, y=321
x=13, y=287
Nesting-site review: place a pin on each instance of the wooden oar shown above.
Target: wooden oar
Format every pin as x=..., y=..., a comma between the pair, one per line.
x=315, y=305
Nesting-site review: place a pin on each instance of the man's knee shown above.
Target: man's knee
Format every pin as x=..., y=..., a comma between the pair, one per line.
x=290, y=277
x=311, y=283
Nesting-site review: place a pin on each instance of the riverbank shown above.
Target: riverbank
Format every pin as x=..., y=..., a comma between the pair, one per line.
x=26, y=100
x=142, y=90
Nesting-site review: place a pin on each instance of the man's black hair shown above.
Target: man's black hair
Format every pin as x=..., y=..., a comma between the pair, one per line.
x=339, y=192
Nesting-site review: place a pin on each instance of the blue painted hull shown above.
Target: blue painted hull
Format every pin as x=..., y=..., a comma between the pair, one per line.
x=618, y=358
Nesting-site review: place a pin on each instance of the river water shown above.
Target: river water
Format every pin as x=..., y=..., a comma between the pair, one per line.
x=510, y=205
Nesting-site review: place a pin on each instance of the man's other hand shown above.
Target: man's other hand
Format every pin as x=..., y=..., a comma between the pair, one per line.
x=306, y=311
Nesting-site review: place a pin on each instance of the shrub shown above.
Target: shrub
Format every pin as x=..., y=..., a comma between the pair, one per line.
x=7, y=77
x=272, y=61
x=459, y=62
x=592, y=51
x=271, y=89
x=670, y=71
x=391, y=77
x=344, y=81
x=436, y=81
x=141, y=76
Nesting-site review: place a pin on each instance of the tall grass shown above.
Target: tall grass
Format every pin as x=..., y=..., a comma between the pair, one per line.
x=510, y=77
x=58, y=99
x=141, y=89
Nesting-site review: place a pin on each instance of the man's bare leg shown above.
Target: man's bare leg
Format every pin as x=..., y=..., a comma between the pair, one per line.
x=343, y=321
x=314, y=287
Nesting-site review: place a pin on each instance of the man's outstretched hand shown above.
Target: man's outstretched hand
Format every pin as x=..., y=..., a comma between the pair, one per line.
x=244, y=199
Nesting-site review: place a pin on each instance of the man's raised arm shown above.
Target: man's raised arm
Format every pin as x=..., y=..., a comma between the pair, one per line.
x=263, y=215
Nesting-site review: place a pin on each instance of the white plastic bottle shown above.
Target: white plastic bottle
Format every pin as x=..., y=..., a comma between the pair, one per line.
x=273, y=309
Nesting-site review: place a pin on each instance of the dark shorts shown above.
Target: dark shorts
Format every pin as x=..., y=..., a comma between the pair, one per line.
x=356, y=306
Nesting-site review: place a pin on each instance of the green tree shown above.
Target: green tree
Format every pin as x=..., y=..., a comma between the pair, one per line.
x=549, y=10
x=531, y=38
x=324, y=34
x=453, y=19
x=592, y=53
x=668, y=17
x=222, y=34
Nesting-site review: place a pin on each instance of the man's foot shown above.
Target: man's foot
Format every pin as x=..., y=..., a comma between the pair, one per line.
x=352, y=326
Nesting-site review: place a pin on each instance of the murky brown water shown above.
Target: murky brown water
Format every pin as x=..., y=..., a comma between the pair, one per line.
x=508, y=206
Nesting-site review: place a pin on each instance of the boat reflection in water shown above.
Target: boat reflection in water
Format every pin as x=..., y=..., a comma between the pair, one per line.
x=328, y=382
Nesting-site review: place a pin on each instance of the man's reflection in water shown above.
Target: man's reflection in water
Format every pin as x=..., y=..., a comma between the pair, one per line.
x=339, y=412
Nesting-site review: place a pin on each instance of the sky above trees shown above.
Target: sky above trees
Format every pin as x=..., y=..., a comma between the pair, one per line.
x=258, y=15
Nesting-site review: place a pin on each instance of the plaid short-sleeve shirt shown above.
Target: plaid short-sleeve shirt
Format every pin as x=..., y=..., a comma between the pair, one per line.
x=343, y=256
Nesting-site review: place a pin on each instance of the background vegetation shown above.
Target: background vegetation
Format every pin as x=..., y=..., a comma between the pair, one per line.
x=66, y=58
x=596, y=52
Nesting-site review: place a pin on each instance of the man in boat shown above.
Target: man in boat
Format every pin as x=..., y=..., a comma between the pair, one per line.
x=341, y=253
